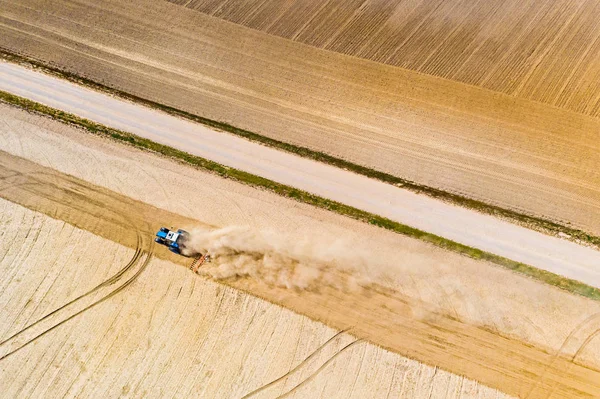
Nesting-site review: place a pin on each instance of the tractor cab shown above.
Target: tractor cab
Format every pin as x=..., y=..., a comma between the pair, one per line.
x=175, y=240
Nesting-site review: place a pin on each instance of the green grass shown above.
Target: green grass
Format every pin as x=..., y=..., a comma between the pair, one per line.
x=301, y=196
x=532, y=222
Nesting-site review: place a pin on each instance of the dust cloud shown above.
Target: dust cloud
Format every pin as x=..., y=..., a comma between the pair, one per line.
x=279, y=260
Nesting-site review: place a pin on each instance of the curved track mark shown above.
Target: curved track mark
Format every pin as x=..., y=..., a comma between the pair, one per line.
x=313, y=375
x=307, y=359
x=593, y=320
x=109, y=281
x=109, y=295
x=576, y=354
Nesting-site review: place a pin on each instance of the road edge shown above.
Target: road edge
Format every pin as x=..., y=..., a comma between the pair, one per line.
x=564, y=283
x=539, y=224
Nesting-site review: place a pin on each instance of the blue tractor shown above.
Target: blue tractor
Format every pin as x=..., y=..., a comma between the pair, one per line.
x=175, y=240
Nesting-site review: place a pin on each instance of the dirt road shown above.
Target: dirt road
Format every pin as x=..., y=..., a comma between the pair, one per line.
x=431, y=215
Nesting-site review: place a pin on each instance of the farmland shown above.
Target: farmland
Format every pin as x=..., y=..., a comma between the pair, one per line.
x=165, y=332
x=44, y=274
x=445, y=296
x=494, y=106
x=520, y=155
x=543, y=51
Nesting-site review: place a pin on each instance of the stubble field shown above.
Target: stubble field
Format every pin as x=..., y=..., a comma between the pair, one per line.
x=171, y=333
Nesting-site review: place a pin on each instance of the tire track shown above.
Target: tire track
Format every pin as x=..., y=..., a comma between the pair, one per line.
x=323, y=366
x=100, y=211
x=298, y=367
x=109, y=280
x=22, y=338
x=106, y=282
x=592, y=322
x=142, y=267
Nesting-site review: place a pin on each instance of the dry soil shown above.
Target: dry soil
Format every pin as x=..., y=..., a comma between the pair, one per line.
x=171, y=333
x=464, y=316
x=507, y=150
x=547, y=51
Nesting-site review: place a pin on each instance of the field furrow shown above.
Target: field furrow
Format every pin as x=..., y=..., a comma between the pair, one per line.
x=316, y=32
x=364, y=23
x=444, y=134
x=238, y=12
x=560, y=68
x=502, y=46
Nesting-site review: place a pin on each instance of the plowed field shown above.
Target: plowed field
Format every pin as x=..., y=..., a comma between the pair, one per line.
x=544, y=51
x=522, y=155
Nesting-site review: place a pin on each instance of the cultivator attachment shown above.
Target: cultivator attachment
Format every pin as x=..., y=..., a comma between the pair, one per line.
x=199, y=261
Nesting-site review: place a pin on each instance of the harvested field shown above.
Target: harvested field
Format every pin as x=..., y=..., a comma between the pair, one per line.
x=436, y=307
x=518, y=154
x=543, y=51
x=168, y=332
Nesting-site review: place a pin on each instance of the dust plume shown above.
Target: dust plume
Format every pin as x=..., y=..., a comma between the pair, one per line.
x=269, y=256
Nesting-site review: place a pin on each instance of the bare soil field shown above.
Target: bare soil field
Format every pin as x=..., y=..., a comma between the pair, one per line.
x=508, y=151
x=544, y=51
x=171, y=333
x=464, y=316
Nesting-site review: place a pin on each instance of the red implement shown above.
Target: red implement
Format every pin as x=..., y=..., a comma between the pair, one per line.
x=199, y=261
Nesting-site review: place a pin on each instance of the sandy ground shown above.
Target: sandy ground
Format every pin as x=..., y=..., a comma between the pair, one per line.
x=545, y=51
x=511, y=152
x=170, y=333
x=434, y=216
x=433, y=306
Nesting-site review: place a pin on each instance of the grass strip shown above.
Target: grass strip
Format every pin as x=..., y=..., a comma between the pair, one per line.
x=566, y=284
x=532, y=222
